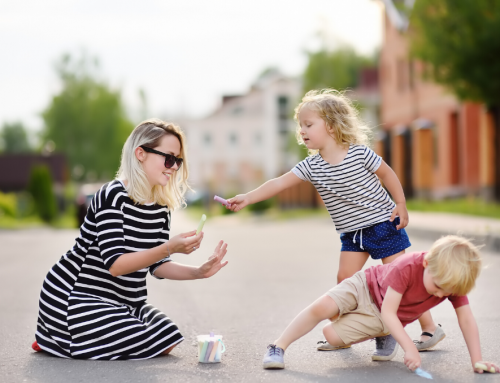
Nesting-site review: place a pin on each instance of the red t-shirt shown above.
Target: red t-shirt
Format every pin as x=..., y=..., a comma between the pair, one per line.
x=406, y=276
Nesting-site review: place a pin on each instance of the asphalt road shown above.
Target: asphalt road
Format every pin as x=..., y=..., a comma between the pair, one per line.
x=276, y=268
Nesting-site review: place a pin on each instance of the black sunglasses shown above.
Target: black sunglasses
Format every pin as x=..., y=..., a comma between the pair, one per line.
x=170, y=159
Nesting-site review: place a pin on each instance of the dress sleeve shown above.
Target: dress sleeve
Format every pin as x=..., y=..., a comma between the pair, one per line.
x=303, y=170
x=164, y=237
x=109, y=227
x=371, y=160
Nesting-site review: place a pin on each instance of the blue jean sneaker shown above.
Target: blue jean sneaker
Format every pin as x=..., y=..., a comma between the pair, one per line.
x=274, y=357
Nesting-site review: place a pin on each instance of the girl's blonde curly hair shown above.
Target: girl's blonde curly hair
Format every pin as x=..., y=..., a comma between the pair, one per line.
x=340, y=116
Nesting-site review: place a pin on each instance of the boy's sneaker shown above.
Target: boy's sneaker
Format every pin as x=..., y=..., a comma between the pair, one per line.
x=387, y=348
x=434, y=339
x=274, y=357
x=323, y=345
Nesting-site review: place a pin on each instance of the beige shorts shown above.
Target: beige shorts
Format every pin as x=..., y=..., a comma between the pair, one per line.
x=359, y=318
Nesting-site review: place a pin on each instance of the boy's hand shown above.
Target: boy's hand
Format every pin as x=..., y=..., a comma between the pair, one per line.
x=412, y=359
x=400, y=210
x=214, y=264
x=488, y=365
x=239, y=202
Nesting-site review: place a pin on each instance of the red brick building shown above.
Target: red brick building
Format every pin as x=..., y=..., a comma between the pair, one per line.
x=438, y=146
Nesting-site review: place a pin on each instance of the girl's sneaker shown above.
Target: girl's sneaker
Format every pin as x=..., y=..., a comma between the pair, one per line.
x=434, y=339
x=274, y=357
x=323, y=345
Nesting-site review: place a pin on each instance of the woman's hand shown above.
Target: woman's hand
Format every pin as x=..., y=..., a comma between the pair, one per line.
x=239, y=202
x=184, y=243
x=214, y=263
x=412, y=359
x=400, y=211
x=488, y=365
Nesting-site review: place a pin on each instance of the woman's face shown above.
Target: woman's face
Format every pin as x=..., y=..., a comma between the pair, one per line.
x=154, y=164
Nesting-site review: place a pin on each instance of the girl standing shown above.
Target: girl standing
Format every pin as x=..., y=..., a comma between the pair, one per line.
x=93, y=300
x=346, y=174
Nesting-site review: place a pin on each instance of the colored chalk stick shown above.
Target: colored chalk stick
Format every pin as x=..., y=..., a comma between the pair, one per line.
x=221, y=200
x=200, y=225
x=485, y=368
x=214, y=351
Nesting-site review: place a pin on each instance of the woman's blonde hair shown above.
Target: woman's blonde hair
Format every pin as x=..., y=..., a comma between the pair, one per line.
x=149, y=133
x=340, y=116
x=455, y=263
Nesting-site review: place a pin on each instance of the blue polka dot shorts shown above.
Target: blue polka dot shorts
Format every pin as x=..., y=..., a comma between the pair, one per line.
x=380, y=240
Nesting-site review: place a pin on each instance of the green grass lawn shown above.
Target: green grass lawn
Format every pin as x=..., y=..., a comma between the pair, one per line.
x=469, y=206
x=67, y=220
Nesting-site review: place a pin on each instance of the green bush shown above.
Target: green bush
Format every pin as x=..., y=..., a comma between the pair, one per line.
x=261, y=206
x=8, y=204
x=40, y=187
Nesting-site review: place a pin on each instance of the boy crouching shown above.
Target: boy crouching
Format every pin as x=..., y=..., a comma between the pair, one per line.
x=383, y=299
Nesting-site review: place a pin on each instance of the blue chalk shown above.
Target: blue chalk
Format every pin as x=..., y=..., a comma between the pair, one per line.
x=422, y=373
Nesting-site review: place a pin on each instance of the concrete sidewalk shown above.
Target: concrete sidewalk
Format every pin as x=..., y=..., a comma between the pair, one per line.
x=481, y=230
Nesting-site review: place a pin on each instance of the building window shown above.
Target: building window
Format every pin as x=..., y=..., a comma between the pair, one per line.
x=283, y=114
x=258, y=139
x=233, y=139
x=207, y=139
x=237, y=110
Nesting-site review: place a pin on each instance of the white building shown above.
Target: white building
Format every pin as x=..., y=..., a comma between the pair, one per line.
x=244, y=141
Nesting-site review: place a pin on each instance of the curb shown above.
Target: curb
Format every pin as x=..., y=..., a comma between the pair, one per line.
x=489, y=242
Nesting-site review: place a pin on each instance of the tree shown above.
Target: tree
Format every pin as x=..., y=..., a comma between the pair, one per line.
x=15, y=138
x=338, y=69
x=460, y=39
x=40, y=188
x=87, y=119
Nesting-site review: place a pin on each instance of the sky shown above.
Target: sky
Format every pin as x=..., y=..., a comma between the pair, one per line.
x=184, y=54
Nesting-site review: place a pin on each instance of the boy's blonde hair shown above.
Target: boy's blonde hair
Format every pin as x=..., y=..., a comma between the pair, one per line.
x=149, y=133
x=455, y=263
x=340, y=116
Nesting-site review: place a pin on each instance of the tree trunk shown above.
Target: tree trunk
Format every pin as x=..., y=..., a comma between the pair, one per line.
x=495, y=112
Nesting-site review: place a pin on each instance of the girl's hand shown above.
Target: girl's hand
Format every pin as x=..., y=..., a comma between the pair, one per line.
x=214, y=263
x=412, y=359
x=239, y=202
x=402, y=213
x=184, y=243
x=489, y=365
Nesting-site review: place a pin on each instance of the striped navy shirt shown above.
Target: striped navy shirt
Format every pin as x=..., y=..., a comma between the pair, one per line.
x=351, y=191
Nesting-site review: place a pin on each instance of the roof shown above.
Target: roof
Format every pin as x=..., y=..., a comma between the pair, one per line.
x=398, y=12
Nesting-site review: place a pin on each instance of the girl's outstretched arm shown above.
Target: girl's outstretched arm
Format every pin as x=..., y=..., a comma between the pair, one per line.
x=267, y=190
x=177, y=271
x=391, y=182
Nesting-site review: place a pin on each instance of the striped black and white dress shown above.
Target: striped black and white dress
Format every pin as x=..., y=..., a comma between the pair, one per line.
x=351, y=190
x=85, y=312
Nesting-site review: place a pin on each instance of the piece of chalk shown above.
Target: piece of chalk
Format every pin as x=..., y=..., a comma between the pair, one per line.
x=422, y=373
x=200, y=225
x=485, y=368
x=221, y=200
